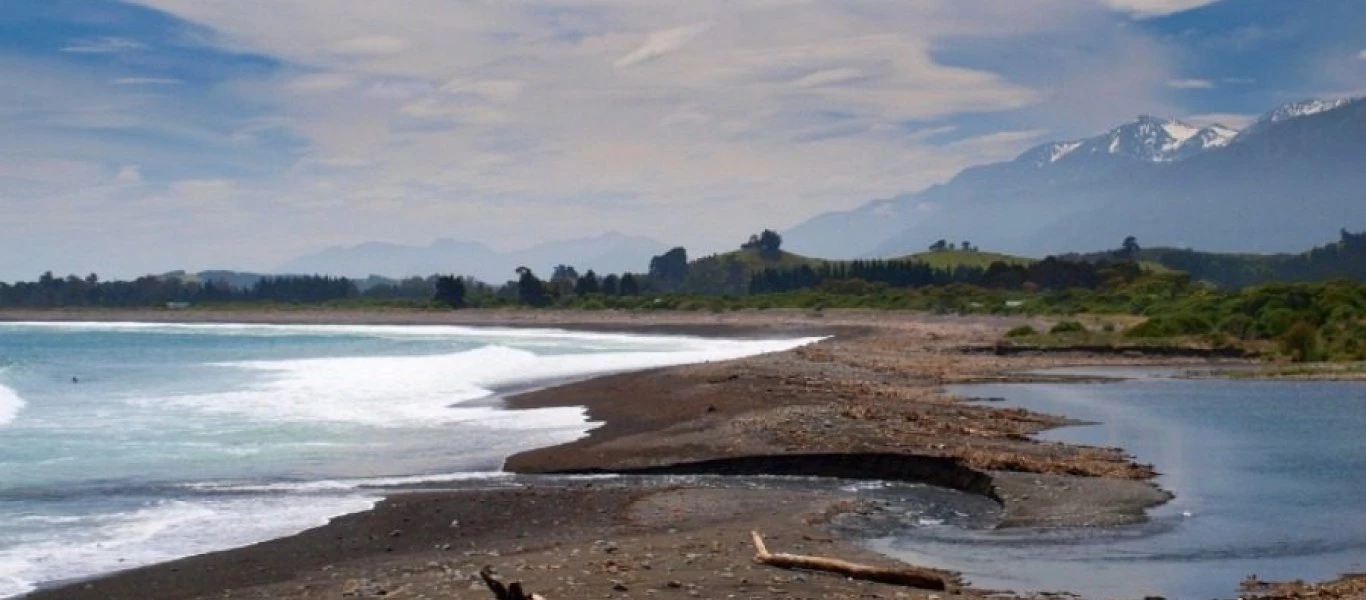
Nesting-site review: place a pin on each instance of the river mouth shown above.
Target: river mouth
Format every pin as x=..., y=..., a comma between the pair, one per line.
x=880, y=506
x=1265, y=476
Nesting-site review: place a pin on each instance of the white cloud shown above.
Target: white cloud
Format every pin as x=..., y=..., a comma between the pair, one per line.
x=48, y=170
x=321, y=82
x=504, y=90
x=370, y=46
x=103, y=45
x=146, y=81
x=129, y=174
x=828, y=77
x=660, y=43
x=339, y=162
x=1361, y=55
x=1148, y=8
x=201, y=191
x=1233, y=120
x=1190, y=84
x=507, y=122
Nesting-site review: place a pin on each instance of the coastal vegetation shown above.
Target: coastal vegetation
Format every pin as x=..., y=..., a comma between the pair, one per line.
x=1125, y=300
x=1345, y=259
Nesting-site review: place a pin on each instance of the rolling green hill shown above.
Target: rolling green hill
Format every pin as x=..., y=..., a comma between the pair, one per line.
x=949, y=259
x=729, y=272
x=1342, y=259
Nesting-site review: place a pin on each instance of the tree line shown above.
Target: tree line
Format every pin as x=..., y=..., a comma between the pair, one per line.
x=759, y=269
x=1050, y=273
x=49, y=291
x=1343, y=259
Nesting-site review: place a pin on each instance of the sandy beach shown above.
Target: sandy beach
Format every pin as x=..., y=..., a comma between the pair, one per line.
x=864, y=403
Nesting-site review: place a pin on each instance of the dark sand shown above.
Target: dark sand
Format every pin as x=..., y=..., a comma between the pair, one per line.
x=865, y=403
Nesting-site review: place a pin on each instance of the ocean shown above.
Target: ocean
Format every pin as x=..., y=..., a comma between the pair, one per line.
x=1269, y=477
x=124, y=444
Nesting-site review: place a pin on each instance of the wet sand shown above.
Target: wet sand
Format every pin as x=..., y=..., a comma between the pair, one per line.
x=864, y=403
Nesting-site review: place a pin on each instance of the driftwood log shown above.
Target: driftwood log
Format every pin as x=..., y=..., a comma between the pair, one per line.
x=926, y=579
x=512, y=591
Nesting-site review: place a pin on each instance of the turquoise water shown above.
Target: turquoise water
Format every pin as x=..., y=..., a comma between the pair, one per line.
x=1269, y=477
x=126, y=444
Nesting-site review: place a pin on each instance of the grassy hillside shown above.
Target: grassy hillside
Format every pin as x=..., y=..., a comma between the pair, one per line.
x=753, y=259
x=949, y=259
x=1343, y=259
x=729, y=272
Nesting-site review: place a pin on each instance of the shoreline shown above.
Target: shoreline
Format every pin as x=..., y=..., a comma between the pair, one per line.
x=871, y=393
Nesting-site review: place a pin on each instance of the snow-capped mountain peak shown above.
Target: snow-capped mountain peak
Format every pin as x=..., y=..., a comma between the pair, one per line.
x=1207, y=138
x=1049, y=153
x=1157, y=140
x=1146, y=138
x=1294, y=110
x=1149, y=138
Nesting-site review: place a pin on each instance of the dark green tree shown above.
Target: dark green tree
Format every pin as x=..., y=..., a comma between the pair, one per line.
x=564, y=272
x=530, y=289
x=768, y=243
x=668, y=270
x=1129, y=249
x=563, y=280
x=629, y=285
x=611, y=285
x=587, y=284
x=450, y=290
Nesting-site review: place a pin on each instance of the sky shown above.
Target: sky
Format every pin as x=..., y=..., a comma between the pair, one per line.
x=148, y=135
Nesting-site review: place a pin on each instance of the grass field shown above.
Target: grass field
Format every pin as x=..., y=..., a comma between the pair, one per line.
x=752, y=260
x=948, y=259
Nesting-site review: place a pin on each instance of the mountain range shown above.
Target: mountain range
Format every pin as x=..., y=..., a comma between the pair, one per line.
x=1291, y=178
x=609, y=252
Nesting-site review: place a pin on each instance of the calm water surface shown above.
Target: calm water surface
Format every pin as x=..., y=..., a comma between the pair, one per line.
x=1269, y=477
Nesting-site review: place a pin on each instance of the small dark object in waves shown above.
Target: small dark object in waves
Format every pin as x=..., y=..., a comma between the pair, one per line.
x=986, y=399
x=74, y=379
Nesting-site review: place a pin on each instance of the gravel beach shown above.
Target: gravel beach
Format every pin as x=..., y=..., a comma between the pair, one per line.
x=866, y=402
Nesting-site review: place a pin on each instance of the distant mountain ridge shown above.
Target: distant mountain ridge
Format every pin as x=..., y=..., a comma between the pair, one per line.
x=1293, y=110
x=1146, y=138
x=1287, y=180
x=609, y=252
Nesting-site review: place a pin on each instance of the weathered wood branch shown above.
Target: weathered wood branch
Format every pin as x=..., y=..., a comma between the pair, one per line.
x=512, y=591
x=908, y=576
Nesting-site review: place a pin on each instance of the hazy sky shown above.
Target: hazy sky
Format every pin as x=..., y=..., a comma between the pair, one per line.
x=148, y=135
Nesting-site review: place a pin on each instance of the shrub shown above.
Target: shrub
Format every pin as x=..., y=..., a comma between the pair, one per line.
x=1300, y=342
x=1275, y=322
x=1171, y=325
x=1239, y=325
x=1021, y=331
x=1068, y=327
x=1344, y=314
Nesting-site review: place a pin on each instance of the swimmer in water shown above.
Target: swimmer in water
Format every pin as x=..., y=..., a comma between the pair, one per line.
x=74, y=380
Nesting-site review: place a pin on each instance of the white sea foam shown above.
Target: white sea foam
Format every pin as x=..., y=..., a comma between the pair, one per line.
x=161, y=532
x=334, y=485
x=534, y=335
x=407, y=391
x=341, y=396
x=10, y=405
